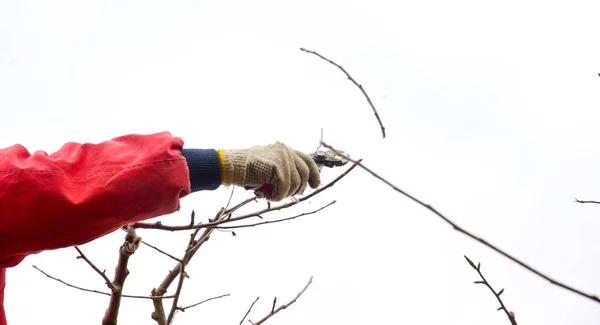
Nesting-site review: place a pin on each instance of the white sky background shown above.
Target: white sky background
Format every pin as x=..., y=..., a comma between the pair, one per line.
x=491, y=113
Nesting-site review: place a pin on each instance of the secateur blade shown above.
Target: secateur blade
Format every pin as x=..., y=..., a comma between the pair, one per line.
x=328, y=158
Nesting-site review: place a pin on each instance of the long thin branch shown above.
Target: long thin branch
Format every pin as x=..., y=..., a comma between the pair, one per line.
x=102, y=274
x=509, y=314
x=282, y=307
x=91, y=290
x=131, y=244
x=201, y=302
x=467, y=233
x=355, y=83
x=278, y=220
x=160, y=226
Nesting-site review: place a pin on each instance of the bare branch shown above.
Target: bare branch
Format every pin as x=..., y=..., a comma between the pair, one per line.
x=129, y=247
x=282, y=307
x=249, y=309
x=465, y=232
x=192, y=217
x=193, y=245
x=201, y=302
x=276, y=221
x=227, y=214
x=581, y=201
x=509, y=314
x=355, y=83
x=161, y=251
x=91, y=290
x=102, y=274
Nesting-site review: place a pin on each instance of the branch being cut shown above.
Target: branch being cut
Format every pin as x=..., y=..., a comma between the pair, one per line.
x=355, y=83
x=509, y=314
x=131, y=244
x=282, y=307
x=465, y=232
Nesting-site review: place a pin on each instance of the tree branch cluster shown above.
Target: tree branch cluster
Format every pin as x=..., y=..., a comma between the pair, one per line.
x=200, y=235
x=225, y=219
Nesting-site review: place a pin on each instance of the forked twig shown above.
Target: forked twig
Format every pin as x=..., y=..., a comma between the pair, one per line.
x=509, y=314
x=284, y=306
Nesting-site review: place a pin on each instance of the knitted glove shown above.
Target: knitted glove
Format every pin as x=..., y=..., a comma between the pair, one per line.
x=287, y=170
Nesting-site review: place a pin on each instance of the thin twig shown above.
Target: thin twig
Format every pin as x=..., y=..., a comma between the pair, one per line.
x=227, y=219
x=230, y=196
x=509, y=314
x=273, y=306
x=192, y=217
x=201, y=302
x=102, y=274
x=249, y=309
x=124, y=228
x=355, y=83
x=581, y=201
x=161, y=251
x=91, y=290
x=276, y=221
x=465, y=232
x=282, y=307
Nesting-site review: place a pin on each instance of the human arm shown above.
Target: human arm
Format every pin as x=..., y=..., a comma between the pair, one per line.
x=84, y=191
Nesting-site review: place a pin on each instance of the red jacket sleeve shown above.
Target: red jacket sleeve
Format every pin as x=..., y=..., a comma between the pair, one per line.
x=85, y=191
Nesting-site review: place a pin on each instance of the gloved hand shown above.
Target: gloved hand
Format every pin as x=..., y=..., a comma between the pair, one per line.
x=287, y=170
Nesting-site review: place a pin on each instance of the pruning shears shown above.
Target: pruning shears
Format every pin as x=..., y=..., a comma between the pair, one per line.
x=322, y=158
